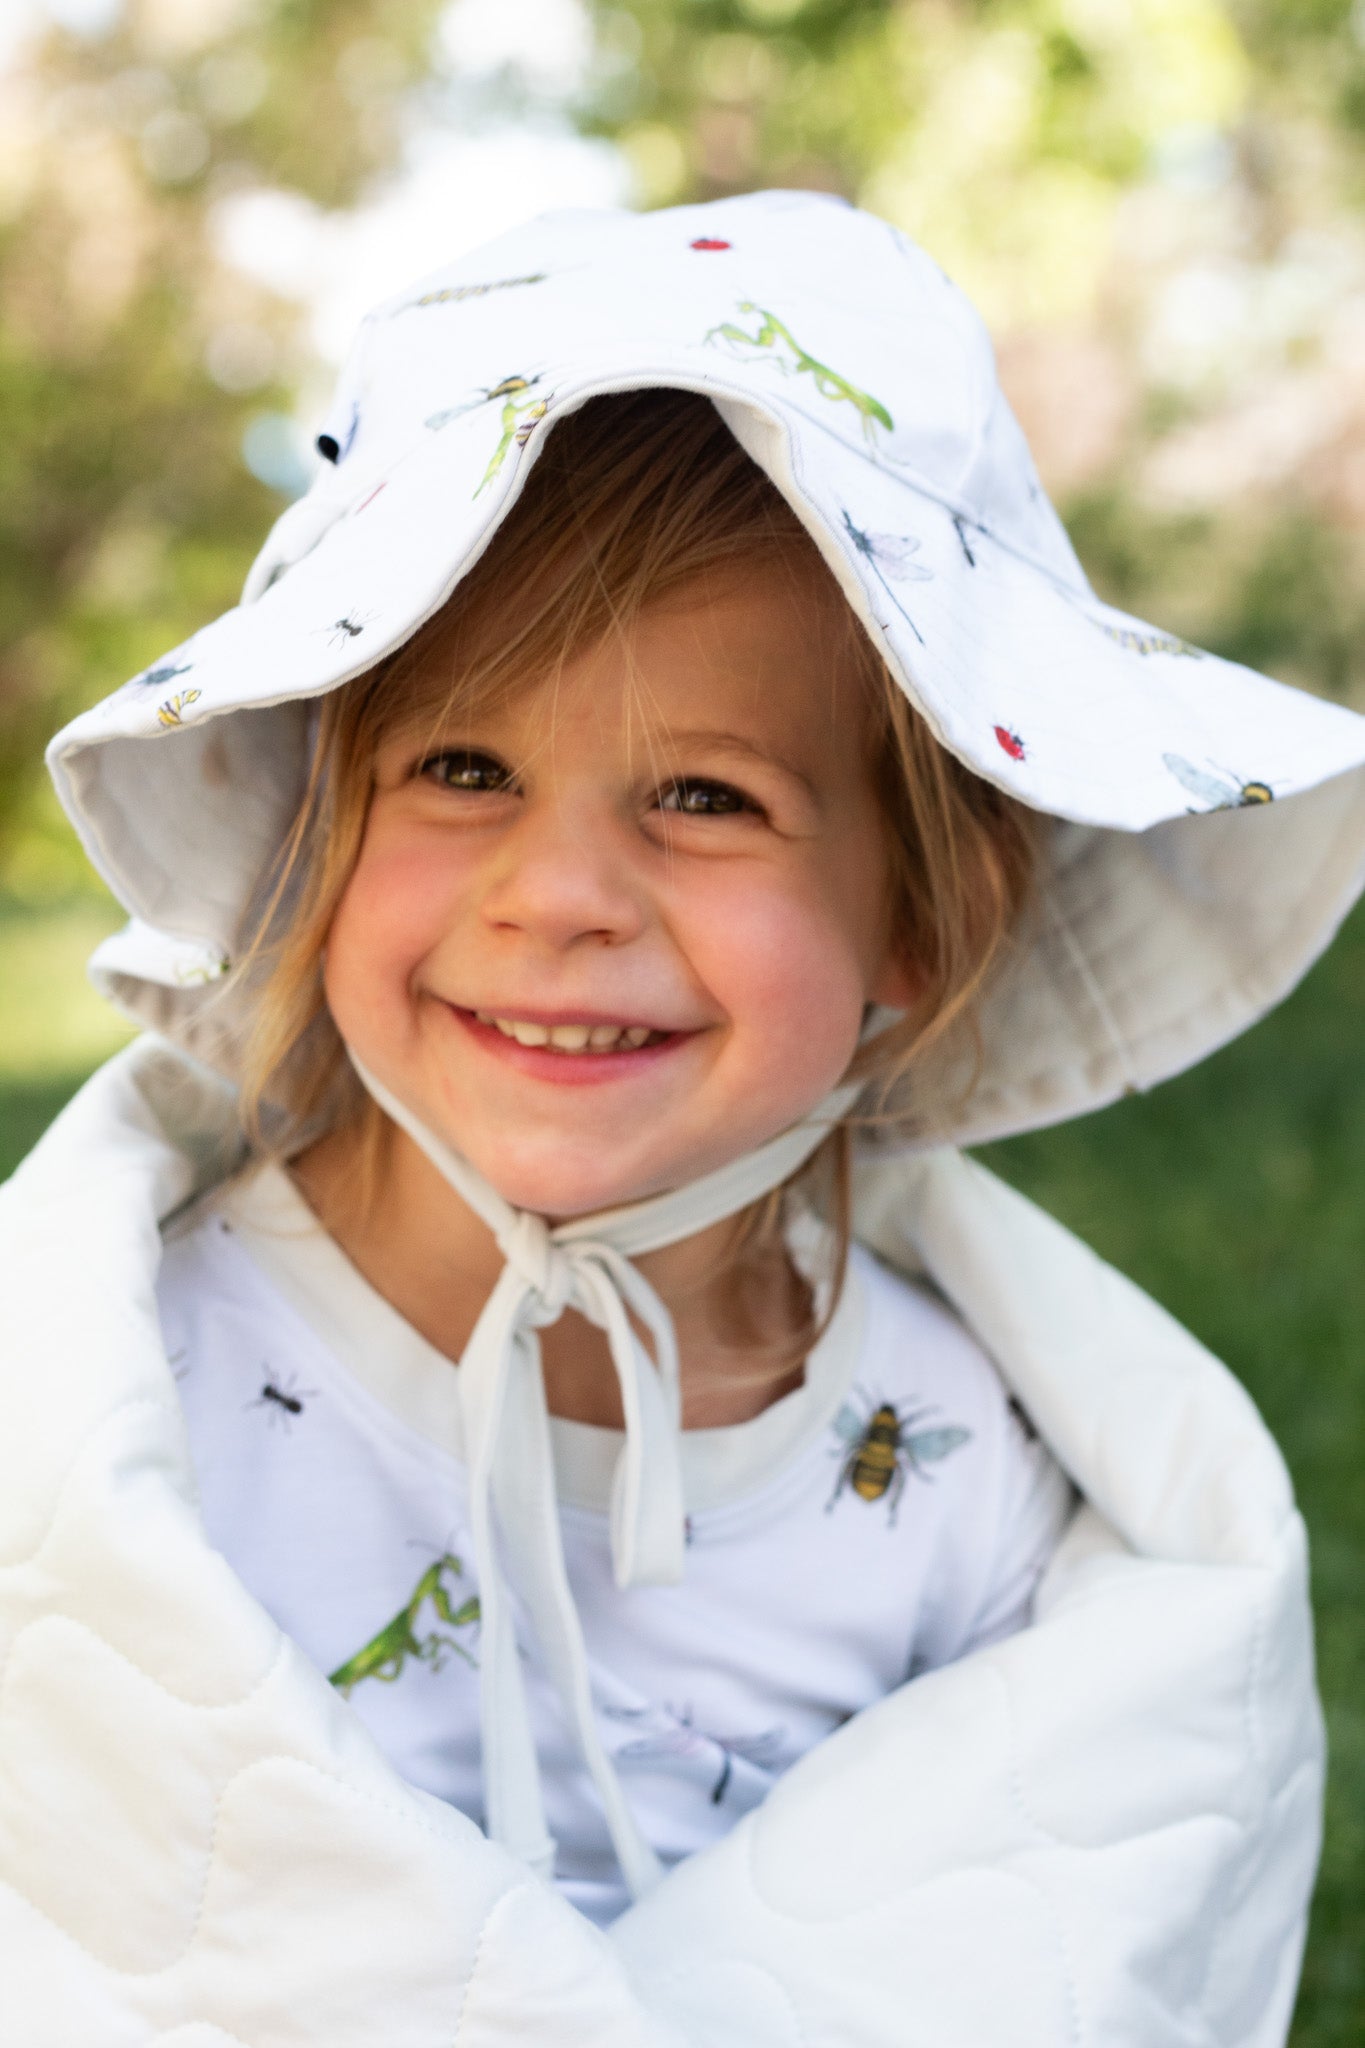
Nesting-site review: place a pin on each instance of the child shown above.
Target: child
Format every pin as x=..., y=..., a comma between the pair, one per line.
x=628, y=811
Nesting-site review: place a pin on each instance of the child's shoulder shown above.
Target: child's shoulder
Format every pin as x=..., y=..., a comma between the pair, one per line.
x=915, y=1345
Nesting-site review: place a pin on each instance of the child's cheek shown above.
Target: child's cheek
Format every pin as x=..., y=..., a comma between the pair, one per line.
x=785, y=967
x=396, y=909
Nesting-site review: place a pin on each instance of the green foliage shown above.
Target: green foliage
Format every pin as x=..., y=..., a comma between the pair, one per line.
x=1280, y=590
x=127, y=515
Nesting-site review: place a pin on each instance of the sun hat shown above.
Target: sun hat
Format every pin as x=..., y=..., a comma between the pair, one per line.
x=1210, y=833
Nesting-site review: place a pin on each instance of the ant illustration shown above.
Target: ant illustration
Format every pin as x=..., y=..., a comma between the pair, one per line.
x=282, y=1399
x=346, y=628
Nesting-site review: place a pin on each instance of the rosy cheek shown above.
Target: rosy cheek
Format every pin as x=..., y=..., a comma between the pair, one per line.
x=393, y=912
x=786, y=972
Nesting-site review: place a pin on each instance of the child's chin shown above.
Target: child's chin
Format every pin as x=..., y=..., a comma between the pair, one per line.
x=565, y=1190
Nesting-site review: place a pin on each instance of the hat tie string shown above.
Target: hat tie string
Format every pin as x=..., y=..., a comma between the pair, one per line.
x=585, y=1264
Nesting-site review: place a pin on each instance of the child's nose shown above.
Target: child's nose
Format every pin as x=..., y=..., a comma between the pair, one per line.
x=566, y=879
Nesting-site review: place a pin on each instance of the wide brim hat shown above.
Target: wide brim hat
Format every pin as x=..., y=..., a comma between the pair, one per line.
x=1210, y=823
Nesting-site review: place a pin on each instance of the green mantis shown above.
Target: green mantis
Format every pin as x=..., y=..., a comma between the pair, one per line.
x=519, y=415
x=775, y=335
x=385, y=1655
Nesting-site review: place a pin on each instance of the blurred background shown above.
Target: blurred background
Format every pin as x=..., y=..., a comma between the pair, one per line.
x=1156, y=203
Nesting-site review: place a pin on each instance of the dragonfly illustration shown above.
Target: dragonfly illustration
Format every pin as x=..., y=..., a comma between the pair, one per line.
x=673, y=1742
x=891, y=558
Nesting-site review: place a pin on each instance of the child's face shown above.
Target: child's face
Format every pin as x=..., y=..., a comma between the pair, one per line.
x=678, y=842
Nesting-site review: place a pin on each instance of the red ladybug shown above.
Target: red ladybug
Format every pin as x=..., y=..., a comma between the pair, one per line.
x=708, y=242
x=1011, y=742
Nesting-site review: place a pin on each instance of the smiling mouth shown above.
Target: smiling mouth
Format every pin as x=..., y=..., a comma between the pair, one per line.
x=574, y=1039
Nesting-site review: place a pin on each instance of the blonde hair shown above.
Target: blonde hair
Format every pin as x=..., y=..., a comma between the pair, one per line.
x=634, y=498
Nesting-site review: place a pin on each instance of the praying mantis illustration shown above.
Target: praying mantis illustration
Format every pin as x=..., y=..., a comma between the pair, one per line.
x=386, y=1653
x=787, y=351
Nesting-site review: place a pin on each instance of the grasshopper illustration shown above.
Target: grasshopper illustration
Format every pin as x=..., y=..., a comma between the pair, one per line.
x=385, y=1655
x=775, y=335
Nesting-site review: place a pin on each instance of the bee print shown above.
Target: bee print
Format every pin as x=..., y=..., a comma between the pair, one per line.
x=775, y=338
x=672, y=1742
x=387, y=1653
x=879, y=1451
x=1011, y=743
x=169, y=713
x=890, y=556
x=282, y=1399
x=1148, y=642
x=1218, y=788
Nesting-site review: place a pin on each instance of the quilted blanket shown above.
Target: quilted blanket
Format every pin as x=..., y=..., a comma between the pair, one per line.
x=1102, y=1831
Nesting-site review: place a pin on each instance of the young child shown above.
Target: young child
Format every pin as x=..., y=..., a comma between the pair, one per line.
x=669, y=764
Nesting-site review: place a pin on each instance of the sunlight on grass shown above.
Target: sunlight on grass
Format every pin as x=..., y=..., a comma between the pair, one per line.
x=51, y=1021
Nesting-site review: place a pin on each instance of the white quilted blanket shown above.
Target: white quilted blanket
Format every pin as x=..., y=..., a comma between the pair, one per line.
x=1100, y=1832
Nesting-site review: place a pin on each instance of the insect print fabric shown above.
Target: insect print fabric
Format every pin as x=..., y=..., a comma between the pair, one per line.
x=774, y=337
x=667, y=1738
x=518, y=416
x=433, y=1600
x=891, y=558
x=883, y=1447
x=1218, y=789
x=281, y=1398
x=815, y=1581
x=171, y=712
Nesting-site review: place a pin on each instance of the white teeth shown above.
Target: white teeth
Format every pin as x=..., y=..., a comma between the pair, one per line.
x=570, y=1038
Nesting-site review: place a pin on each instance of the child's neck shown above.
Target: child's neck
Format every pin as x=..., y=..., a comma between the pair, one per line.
x=423, y=1248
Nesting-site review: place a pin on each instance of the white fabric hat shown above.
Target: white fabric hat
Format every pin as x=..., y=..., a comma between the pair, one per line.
x=862, y=382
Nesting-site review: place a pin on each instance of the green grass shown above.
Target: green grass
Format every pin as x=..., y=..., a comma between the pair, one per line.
x=1235, y=1194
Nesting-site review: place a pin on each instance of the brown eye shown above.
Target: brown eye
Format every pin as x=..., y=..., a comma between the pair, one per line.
x=702, y=799
x=460, y=768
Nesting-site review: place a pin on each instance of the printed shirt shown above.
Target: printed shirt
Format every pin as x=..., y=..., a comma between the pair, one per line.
x=890, y=1515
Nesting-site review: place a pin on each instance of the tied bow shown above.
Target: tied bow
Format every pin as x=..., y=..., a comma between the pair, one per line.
x=514, y=1511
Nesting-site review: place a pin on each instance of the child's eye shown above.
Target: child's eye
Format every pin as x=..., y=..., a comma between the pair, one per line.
x=461, y=768
x=702, y=799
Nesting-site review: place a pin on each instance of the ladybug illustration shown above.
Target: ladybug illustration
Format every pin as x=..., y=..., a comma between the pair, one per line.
x=708, y=242
x=1011, y=743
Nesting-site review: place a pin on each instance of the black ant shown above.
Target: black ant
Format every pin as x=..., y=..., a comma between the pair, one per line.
x=282, y=1399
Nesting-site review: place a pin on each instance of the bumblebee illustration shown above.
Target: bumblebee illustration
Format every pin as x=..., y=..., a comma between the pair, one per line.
x=386, y=1654
x=1219, y=789
x=169, y=713
x=881, y=1449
